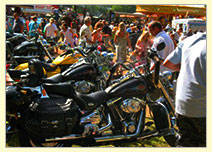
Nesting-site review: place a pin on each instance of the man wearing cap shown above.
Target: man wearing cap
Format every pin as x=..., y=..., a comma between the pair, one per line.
x=130, y=28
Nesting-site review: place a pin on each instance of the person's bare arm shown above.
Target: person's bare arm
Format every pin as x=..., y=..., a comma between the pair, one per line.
x=137, y=44
x=153, y=66
x=115, y=38
x=128, y=40
x=170, y=65
x=22, y=28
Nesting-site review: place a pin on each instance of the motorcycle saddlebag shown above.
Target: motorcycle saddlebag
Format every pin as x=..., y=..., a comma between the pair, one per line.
x=51, y=117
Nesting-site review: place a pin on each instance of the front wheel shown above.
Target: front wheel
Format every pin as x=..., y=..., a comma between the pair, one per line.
x=171, y=139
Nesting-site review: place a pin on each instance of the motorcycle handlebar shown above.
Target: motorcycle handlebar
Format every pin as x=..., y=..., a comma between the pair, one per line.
x=154, y=56
x=157, y=70
x=113, y=70
x=80, y=51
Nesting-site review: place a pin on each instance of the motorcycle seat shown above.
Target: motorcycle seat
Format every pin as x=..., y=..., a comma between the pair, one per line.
x=53, y=79
x=23, y=59
x=16, y=74
x=94, y=99
x=26, y=57
x=63, y=89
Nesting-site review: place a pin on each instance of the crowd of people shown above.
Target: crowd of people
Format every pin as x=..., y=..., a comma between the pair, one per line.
x=123, y=37
x=185, y=53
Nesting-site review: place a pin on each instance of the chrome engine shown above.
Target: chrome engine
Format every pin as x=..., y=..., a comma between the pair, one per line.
x=84, y=87
x=132, y=105
x=128, y=111
x=131, y=108
x=93, y=118
x=129, y=127
x=94, y=124
x=103, y=127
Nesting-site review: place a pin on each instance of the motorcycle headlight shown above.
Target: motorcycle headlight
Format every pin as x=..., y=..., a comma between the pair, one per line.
x=167, y=75
x=104, y=54
x=111, y=55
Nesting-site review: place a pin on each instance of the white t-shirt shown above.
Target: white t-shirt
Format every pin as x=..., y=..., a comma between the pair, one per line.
x=50, y=29
x=163, y=37
x=191, y=83
x=84, y=30
x=176, y=36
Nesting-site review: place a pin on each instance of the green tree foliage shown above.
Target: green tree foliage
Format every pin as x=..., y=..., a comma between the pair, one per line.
x=94, y=10
x=124, y=8
x=97, y=10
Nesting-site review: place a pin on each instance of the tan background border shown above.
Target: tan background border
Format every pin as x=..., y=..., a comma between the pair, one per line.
x=100, y=2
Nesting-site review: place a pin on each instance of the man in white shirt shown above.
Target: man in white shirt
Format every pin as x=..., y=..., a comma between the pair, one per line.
x=160, y=36
x=50, y=29
x=190, y=58
x=51, y=33
x=85, y=33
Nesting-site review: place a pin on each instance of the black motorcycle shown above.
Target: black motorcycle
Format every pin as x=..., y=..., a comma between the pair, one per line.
x=56, y=115
x=21, y=50
x=87, y=75
x=13, y=40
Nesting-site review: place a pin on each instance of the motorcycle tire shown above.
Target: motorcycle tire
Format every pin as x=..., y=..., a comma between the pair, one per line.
x=171, y=140
x=26, y=141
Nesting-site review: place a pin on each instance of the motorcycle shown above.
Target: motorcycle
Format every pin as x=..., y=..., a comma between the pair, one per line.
x=13, y=40
x=58, y=65
x=26, y=50
x=55, y=115
x=87, y=75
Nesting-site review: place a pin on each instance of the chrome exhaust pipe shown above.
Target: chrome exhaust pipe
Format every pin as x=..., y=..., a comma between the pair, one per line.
x=137, y=134
x=69, y=137
x=121, y=137
x=107, y=126
x=78, y=136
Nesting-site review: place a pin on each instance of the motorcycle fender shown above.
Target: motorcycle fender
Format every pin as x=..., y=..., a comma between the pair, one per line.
x=67, y=59
x=160, y=116
x=22, y=66
x=58, y=60
x=49, y=74
x=71, y=59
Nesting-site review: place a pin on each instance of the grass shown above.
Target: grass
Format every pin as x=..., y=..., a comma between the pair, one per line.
x=150, y=142
x=153, y=142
